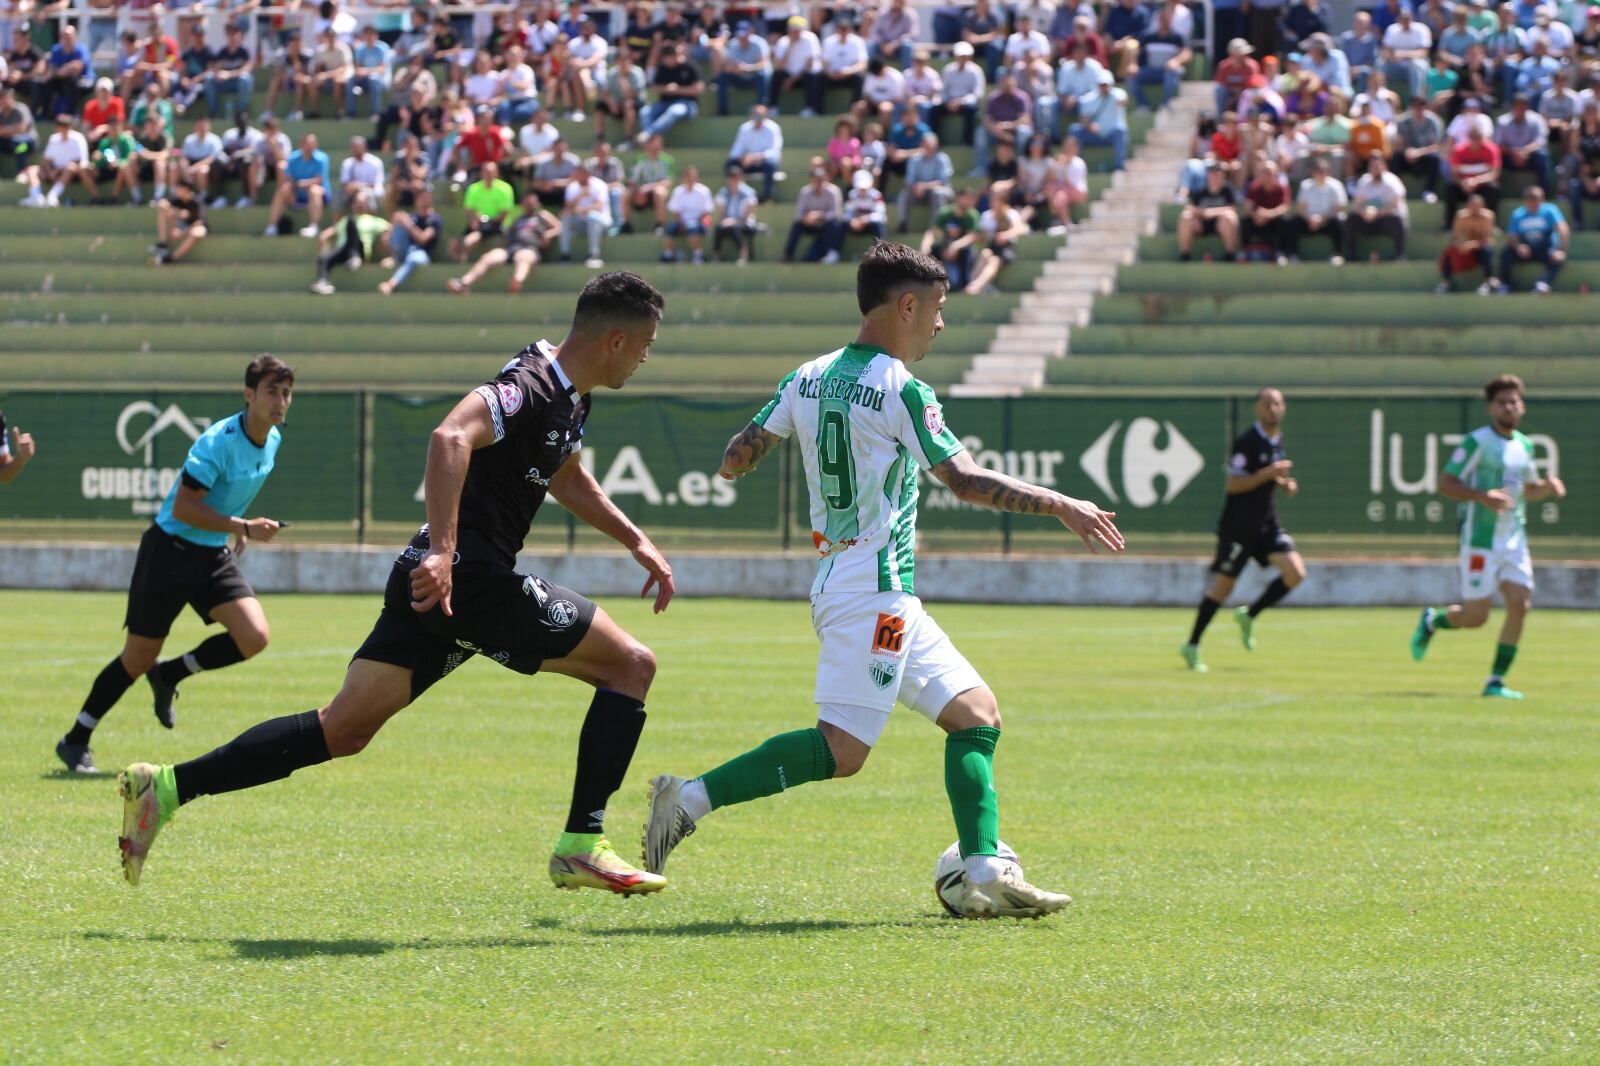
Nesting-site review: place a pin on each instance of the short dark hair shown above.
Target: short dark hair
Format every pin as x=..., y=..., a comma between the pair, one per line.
x=1500, y=384
x=267, y=368
x=620, y=298
x=889, y=269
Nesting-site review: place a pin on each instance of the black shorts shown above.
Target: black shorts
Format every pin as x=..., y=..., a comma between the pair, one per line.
x=171, y=572
x=515, y=619
x=1208, y=227
x=486, y=226
x=1236, y=548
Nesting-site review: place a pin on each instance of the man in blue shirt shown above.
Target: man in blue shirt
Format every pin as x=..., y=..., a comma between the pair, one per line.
x=306, y=186
x=184, y=559
x=70, y=74
x=372, y=60
x=1537, y=233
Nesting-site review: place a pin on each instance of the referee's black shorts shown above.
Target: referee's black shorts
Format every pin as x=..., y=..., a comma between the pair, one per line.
x=1236, y=549
x=515, y=619
x=171, y=572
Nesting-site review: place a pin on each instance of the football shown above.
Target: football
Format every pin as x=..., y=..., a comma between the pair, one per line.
x=951, y=873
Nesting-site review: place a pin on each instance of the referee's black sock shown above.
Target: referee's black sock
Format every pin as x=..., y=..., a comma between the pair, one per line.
x=1208, y=608
x=1269, y=596
x=605, y=748
x=103, y=695
x=267, y=752
x=213, y=654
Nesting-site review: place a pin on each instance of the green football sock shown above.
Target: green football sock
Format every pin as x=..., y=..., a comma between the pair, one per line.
x=1441, y=618
x=781, y=762
x=1503, y=654
x=577, y=843
x=969, y=781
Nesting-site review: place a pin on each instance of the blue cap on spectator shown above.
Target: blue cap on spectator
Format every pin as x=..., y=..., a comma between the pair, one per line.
x=742, y=26
x=1472, y=102
x=1297, y=57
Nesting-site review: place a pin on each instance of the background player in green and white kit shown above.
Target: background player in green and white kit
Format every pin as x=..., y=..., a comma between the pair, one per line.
x=1492, y=473
x=865, y=425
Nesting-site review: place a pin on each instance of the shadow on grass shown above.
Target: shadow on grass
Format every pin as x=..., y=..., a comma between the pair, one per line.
x=296, y=948
x=64, y=774
x=742, y=928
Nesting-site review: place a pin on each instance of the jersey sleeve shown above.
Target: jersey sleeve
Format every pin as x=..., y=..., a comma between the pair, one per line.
x=206, y=464
x=919, y=425
x=511, y=400
x=777, y=417
x=1462, y=459
x=1241, y=460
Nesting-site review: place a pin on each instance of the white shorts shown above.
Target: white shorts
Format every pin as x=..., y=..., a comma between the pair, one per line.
x=1483, y=569
x=878, y=647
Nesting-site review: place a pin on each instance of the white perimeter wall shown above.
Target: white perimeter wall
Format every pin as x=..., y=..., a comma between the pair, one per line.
x=1079, y=580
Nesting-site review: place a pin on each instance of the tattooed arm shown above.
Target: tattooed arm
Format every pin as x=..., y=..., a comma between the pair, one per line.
x=988, y=488
x=745, y=451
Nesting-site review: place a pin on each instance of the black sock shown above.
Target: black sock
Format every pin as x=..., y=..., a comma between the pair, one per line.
x=212, y=654
x=1208, y=607
x=1269, y=596
x=605, y=748
x=266, y=752
x=103, y=695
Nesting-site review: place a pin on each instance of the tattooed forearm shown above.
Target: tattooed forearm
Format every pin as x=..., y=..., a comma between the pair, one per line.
x=746, y=450
x=987, y=488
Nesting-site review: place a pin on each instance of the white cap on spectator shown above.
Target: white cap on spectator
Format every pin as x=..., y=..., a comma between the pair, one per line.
x=863, y=178
x=1239, y=47
x=1105, y=77
x=962, y=48
x=106, y=84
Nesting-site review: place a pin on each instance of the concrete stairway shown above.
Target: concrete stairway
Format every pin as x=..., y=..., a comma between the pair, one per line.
x=1086, y=266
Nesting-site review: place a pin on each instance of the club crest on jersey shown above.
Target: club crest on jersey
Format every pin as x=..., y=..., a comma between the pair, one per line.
x=510, y=397
x=933, y=419
x=882, y=672
x=562, y=614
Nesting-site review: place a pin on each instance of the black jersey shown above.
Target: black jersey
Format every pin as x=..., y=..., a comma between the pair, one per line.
x=1253, y=510
x=538, y=422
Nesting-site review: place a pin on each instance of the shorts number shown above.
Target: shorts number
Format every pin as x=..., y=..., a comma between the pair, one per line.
x=1235, y=550
x=833, y=457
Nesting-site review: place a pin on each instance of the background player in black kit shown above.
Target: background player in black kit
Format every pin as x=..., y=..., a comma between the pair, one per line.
x=454, y=593
x=1249, y=527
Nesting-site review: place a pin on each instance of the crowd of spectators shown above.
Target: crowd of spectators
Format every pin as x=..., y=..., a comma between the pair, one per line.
x=463, y=108
x=1315, y=134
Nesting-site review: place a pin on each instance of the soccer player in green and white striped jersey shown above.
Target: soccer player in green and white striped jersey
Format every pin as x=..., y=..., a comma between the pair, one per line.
x=865, y=426
x=1492, y=473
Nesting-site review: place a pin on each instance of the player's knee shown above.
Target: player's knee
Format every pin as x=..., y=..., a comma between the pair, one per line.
x=1473, y=615
x=1294, y=575
x=849, y=754
x=253, y=640
x=632, y=670
x=138, y=662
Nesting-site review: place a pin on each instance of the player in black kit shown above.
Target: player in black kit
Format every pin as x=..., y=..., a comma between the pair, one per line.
x=1249, y=527
x=454, y=593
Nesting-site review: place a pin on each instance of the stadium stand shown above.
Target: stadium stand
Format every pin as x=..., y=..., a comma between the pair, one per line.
x=83, y=299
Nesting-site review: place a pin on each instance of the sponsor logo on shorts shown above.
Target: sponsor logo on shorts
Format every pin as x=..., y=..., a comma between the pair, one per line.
x=1476, y=563
x=882, y=672
x=451, y=661
x=533, y=477
x=562, y=613
x=510, y=397
x=888, y=637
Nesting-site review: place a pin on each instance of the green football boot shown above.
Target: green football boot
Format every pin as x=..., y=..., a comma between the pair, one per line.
x=1422, y=634
x=1247, y=627
x=1191, y=655
x=1498, y=690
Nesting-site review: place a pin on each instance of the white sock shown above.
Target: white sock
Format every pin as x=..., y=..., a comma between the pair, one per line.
x=982, y=868
x=694, y=799
x=57, y=189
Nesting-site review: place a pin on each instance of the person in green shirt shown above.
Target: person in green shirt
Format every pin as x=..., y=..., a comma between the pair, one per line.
x=358, y=233
x=1492, y=474
x=952, y=236
x=152, y=100
x=111, y=157
x=488, y=201
x=1330, y=135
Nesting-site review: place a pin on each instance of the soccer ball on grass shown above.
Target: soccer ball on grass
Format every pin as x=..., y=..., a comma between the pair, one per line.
x=951, y=873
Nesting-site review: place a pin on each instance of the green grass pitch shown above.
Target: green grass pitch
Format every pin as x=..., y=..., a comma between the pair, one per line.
x=1320, y=851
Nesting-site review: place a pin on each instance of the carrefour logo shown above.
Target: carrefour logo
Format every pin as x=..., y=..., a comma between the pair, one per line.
x=1143, y=461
